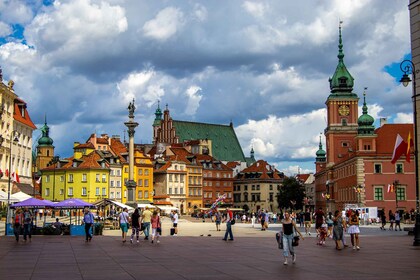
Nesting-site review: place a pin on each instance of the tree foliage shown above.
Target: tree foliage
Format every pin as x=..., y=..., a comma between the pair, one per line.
x=291, y=194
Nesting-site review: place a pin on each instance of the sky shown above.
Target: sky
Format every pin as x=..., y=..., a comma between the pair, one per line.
x=264, y=65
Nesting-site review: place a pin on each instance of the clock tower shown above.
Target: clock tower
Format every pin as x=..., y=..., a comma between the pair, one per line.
x=342, y=112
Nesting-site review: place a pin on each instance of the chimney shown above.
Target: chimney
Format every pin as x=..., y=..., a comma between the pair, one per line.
x=382, y=121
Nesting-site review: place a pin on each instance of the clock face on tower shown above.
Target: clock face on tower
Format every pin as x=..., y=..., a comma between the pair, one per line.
x=344, y=110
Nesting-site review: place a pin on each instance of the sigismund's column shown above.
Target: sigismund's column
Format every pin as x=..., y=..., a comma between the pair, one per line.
x=131, y=184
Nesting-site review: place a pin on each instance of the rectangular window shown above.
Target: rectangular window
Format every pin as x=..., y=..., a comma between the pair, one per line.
x=84, y=178
x=210, y=195
x=181, y=190
x=271, y=187
x=118, y=195
x=104, y=191
x=378, y=168
x=245, y=187
x=399, y=168
x=119, y=174
x=170, y=177
x=62, y=178
x=97, y=178
x=378, y=195
x=47, y=192
x=112, y=184
x=400, y=193
x=61, y=192
x=118, y=184
x=140, y=183
x=103, y=178
x=170, y=190
x=253, y=187
x=146, y=172
x=70, y=191
x=111, y=195
x=146, y=182
x=97, y=191
x=146, y=194
x=47, y=178
x=140, y=195
x=125, y=169
x=182, y=178
x=140, y=172
x=84, y=191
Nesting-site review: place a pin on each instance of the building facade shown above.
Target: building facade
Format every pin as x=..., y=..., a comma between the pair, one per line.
x=16, y=130
x=356, y=169
x=256, y=187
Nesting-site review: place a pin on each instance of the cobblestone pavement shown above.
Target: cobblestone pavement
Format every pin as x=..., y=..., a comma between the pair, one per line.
x=193, y=254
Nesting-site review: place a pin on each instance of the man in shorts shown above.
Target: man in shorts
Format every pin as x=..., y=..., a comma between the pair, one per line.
x=308, y=221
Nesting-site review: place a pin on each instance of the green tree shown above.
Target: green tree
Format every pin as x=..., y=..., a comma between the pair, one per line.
x=291, y=194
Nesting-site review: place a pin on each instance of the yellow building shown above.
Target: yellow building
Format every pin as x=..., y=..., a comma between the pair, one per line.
x=84, y=176
x=143, y=176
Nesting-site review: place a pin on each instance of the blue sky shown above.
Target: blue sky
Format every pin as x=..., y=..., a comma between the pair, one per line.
x=264, y=65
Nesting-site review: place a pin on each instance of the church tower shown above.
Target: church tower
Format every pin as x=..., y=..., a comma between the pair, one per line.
x=342, y=112
x=157, y=124
x=45, y=148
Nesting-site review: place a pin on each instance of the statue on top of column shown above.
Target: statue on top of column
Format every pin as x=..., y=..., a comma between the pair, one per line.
x=131, y=108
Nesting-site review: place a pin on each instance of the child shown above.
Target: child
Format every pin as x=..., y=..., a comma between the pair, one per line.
x=322, y=233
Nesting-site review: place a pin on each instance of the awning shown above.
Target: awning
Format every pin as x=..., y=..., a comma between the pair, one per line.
x=166, y=208
x=109, y=201
x=143, y=205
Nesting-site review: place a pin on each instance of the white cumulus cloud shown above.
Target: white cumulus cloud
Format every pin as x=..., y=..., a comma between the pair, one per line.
x=166, y=23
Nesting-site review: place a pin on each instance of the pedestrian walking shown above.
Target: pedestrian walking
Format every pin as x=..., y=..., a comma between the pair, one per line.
x=308, y=221
x=146, y=218
x=156, y=226
x=17, y=223
x=330, y=224
x=397, y=220
x=124, y=223
x=88, y=221
x=319, y=219
x=383, y=220
x=391, y=220
x=175, y=222
x=218, y=220
x=27, y=224
x=354, y=229
x=135, y=225
x=338, y=229
x=288, y=229
x=228, y=219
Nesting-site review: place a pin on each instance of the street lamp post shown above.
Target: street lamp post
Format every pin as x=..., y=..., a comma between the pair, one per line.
x=15, y=140
x=407, y=66
x=54, y=161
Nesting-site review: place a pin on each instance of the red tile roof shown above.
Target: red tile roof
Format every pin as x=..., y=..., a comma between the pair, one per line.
x=21, y=114
x=262, y=167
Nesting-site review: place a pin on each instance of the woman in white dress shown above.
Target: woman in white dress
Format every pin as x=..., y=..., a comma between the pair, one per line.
x=354, y=229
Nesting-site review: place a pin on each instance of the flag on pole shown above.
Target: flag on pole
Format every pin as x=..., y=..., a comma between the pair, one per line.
x=390, y=188
x=7, y=172
x=15, y=177
x=39, y=180
x=400, y=149
x=409, y=144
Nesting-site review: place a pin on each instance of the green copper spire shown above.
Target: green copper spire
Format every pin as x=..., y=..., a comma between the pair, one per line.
x=158, y=115
x=320, y=154
x=45, y=140
x=342, y=81
x=365, y=121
